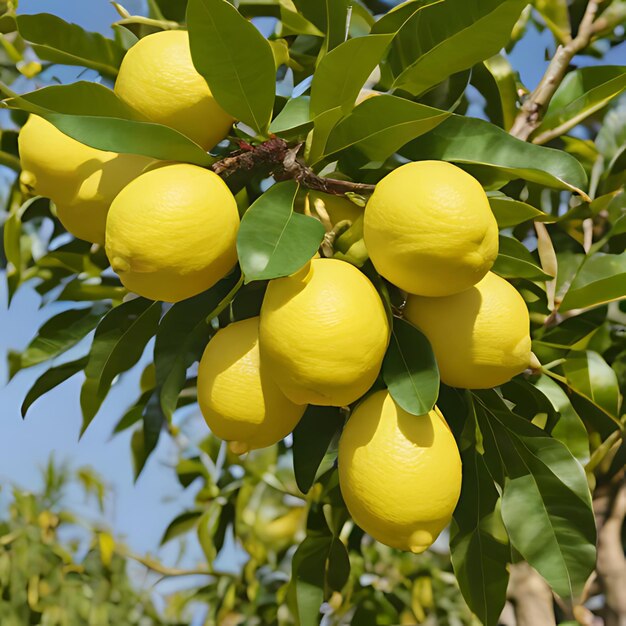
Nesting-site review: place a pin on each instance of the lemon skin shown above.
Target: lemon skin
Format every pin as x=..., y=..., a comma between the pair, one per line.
x=157, y=78
x=171, y=233
x=480, y=337
x=429, y=229
x=238, y=397
x=323, y=333
x=82, y=181
x=400, y=474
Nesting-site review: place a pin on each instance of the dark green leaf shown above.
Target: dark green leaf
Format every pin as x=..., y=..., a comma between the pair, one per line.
x=410, y=370
x=273, y=240
x=601, y=278
x=311, y=439
x=235, y=60
x=117, y=345
x=582, y=92
x=546, y=504
x=478, y=543
x=92, y=114
x=476, y=142
x=338, y=565
x=59, y=334
x=55, y=40
x=452, y=36
x=510, y=212
x=51, y=379
x=515, y=261
x=383, y=124
x=180, y=339
x=180, y=525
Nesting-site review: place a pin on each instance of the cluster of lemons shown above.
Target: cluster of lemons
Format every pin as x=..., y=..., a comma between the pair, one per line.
x=169, y=231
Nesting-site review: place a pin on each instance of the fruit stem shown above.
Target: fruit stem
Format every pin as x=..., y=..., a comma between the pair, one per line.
x=280, y=159
x=228, y=298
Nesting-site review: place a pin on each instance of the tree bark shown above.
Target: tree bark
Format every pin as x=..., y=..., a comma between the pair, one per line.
x=531, y=597
x=610, y=509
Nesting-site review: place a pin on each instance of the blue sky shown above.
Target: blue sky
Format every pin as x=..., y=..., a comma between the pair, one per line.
x=140, y=511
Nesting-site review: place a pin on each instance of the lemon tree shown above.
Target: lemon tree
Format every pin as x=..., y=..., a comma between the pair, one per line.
x=384, y=276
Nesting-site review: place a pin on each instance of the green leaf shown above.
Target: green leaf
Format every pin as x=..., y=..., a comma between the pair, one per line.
x=450, y=37
x=515, y=261
x=57, y=335
x=330, y=16
x=294, y=117
x=546, y=504
x=381, y=125
x=92, y=114
x=338, y=565
x=478, y=551
x=311, y=439
x=556, y=16
x=273, y=240
x=235, y=60
x=117, y=345
x=582, y=93
x=401, y=17
x=510, y=212
x=590, y=376
x=60, y=42
x=180, y=339
x=410, y=370
x=180, y=525
x=601, y=278
x=51, y=379
x=475, y=142
x=208, y=525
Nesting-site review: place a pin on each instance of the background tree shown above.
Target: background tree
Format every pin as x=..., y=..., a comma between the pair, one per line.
x=552, y=162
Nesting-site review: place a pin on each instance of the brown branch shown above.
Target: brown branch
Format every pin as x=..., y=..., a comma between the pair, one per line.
x=531, y=597
x=532, y=111
x=610, y=509
x=278, y=158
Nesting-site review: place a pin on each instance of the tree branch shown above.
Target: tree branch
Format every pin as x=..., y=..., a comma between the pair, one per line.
x=277, y=158
x=531, y=597
x=532, y=111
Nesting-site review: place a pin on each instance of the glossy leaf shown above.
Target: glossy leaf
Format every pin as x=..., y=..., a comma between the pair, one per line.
x=311, y=439
x=410, y=370
x=60, y=42
x=478, y=546
x=329, y=16
x=590, y=376
x=92, y=114
x=180, y=339
x=118, y=344
x=470, y=141
x=510, y=212
x=515, y=261
x=546, y=504
x=180, y=525
x=295, y=116
x=273, y=240
x=556, y=16
x=582, y=92
x=50, y=379
x=452, y=36
x=57, y=335
x=601, y=278
x=381, y=125
x=235, y=60
x=495, y=79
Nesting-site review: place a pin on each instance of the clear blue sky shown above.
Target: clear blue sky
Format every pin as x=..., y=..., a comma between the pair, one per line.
x=140, y=511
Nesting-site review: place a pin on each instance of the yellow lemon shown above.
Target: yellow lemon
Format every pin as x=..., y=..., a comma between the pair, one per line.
x=157, y=78
x=82, y=181
x=480, y=337
x=429, y=229
x=238, y=397
x=171, y=233
x=400, y=474
x=323, y=333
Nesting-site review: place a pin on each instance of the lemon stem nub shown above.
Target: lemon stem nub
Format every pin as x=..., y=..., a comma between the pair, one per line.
x=238, y=447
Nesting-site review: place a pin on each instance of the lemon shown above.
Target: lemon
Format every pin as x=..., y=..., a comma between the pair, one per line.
x=480, y=337
x=400, y=474
x=323, y=333
x=171, y=233
x=238, y=397
x=429, y=229
x=82, y=181
x=157, y=78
